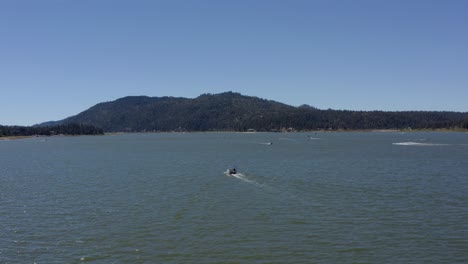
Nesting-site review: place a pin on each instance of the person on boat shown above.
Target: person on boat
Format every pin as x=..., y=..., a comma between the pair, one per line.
x=232, y=171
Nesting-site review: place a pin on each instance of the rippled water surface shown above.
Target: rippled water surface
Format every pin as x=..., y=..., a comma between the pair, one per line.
x=306, y=198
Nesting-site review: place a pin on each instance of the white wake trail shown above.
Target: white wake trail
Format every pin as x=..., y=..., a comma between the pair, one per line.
x=418, y=144
x=242, y=177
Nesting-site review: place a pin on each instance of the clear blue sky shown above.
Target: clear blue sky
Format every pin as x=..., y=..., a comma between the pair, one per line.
x=60, y=57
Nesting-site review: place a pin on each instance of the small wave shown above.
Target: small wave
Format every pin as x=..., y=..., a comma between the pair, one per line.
x=417, y=144
x=262, y=143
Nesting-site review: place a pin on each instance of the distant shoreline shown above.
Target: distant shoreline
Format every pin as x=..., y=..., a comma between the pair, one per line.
x=6, y=138
x=301, y=131
x=15, y=137
x=441, y=130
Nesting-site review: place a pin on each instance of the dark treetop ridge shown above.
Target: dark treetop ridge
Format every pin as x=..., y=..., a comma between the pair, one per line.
x=63, y=129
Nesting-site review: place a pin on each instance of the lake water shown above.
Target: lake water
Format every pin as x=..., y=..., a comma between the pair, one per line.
x=164, y=198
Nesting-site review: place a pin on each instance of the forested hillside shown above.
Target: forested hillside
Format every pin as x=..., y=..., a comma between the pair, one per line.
x=235, y=112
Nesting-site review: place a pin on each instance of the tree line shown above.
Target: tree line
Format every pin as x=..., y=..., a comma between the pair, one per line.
x=64, y=129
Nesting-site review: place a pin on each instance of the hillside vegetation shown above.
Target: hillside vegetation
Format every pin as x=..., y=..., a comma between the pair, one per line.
x=64, y=129
x=235, y=112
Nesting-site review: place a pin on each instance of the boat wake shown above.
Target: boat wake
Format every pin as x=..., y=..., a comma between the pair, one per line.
x=417, y=144
x=241, y=177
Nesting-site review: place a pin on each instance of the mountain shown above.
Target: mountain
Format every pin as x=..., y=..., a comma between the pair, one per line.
x=231, y=111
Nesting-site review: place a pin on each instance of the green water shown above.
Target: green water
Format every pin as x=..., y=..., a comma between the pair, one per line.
x=164, y=198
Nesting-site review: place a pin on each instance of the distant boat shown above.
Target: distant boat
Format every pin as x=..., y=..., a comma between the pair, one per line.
x=232, y=172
